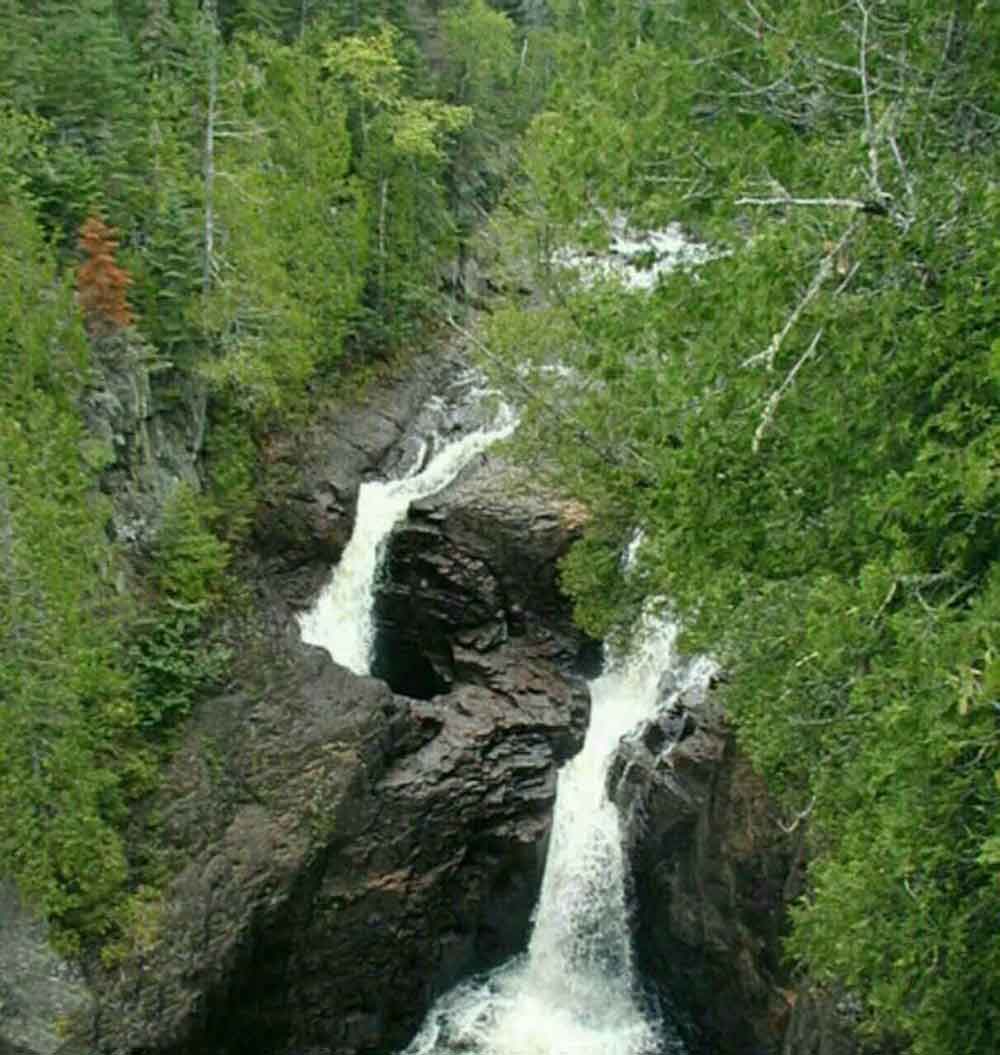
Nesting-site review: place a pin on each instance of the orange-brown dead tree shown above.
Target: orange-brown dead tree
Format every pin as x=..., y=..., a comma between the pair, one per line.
x=102, y=286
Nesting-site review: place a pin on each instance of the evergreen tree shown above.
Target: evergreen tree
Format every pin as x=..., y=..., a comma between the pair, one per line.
x=291, y=247
x=400, y=158
x=63, y=701
x=806, y=428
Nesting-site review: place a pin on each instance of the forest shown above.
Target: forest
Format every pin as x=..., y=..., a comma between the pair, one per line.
x=265, y=199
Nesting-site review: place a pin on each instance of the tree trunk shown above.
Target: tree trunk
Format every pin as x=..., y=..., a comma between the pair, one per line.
x=211, y=18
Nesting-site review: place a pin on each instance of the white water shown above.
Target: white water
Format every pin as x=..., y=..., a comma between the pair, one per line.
x=575, y=992
x=636, y=259
x=341, y=621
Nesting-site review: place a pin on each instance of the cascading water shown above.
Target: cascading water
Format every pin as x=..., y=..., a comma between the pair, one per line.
x=575, y=991
x=341, y=621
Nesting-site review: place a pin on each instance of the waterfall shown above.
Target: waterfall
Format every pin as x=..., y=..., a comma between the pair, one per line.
x=342, y=619
x=575, y=991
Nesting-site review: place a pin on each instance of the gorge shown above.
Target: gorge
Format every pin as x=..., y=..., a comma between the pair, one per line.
x=346, y=853
x=735, y=263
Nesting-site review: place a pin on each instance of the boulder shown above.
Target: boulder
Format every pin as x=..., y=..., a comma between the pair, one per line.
x=472, y=567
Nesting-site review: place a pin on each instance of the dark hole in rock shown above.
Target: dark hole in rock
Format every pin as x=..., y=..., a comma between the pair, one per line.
x=407, y=668
x=589, y=661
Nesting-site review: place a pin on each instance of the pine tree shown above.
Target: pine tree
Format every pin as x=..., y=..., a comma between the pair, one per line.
x=101, y=284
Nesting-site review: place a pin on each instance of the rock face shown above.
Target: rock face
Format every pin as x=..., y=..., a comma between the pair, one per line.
x=714, y=873
x=300, y=533
x=350, y=854
x=475, y=566
x=344, y=852
x=38, y=989
x=145, y=438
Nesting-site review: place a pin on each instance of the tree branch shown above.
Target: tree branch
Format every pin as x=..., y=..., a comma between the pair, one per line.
x=788, y=829
x=871, y=132
x=212, y=27
x=822, y=273
x=776, y=396
x=870, y=207
x=904, y=173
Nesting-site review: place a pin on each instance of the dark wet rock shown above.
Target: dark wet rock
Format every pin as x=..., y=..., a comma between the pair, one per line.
x=713, y=873
x=304, y=528
x=350, y=854
x=474, y=567
x=387, y=432
x=824, y=1022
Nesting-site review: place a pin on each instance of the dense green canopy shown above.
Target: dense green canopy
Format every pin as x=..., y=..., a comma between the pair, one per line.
x=805, y=427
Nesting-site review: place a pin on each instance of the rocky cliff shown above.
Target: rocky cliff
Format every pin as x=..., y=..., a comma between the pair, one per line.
x=715, y=870
x=349, y=854
x=343, y=849
x=342, y=852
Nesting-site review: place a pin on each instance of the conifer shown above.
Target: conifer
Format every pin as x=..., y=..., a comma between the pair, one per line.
x=101, y=284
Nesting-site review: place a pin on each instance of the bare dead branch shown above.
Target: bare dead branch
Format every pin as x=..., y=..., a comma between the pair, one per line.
x=830, y=203
x=822, y=273
x=750, y=89
x=904, y=174
x=776, y=396
x=847, y=278
x=760, y=18
x=740, y=24
x=870, y=132
x=799, y=817
x=716, y=57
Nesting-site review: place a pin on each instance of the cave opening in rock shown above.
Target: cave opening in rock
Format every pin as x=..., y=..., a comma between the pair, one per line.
x=407, y=667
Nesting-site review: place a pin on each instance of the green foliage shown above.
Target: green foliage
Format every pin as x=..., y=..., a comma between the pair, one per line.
x=173, y=657
x=173, y=665
x=806, y=428
x=399, y=156
x=232, y=459
x=292, y=242
x=190, y=558
x=63, y=701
